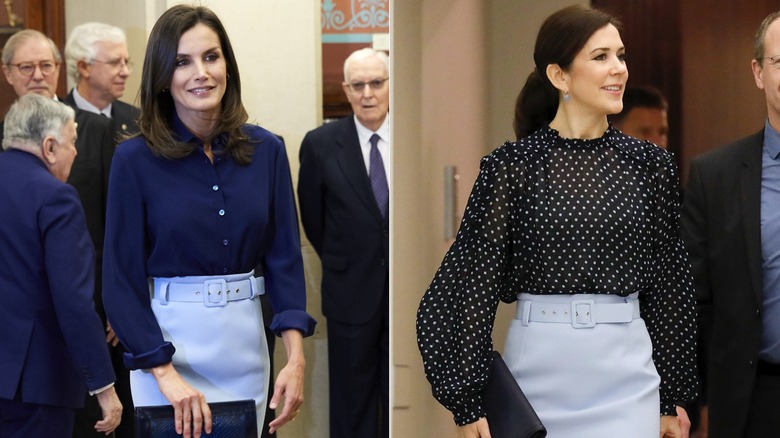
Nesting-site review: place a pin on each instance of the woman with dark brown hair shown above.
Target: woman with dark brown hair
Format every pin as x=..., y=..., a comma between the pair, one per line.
x=578, y=224
x=195, y=203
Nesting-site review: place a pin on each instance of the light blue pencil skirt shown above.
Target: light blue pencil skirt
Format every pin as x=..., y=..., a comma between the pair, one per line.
x=221, y=351
x=588, y=382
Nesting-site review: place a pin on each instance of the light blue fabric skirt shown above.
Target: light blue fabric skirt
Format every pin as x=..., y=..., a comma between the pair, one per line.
x=589, y=382
x=221, y=351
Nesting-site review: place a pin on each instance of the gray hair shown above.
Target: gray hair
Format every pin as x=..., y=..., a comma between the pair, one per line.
x=82, y=42
x=365, y=53
x=22, y=37
x=31, y=119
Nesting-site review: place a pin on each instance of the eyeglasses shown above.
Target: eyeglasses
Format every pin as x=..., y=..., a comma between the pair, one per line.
x=376, y=84
x=774, y=61
x=118, y=63
x=28, y=68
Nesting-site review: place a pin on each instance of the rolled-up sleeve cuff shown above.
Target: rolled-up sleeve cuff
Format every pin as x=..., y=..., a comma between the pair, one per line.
x=160, y=355
x=293, y=319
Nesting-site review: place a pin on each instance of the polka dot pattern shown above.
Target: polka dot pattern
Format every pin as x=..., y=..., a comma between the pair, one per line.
x=549, y=215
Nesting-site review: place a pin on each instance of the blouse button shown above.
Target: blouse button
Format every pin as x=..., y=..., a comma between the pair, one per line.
x=225, y=242
x=221, y=212
x=224, y=270
x=215, y=187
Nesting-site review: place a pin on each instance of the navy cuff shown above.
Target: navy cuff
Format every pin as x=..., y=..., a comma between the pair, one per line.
x=160, y=355
x=293, y=319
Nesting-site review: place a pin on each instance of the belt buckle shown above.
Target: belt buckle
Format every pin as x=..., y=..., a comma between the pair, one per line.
x=582, y=313
x=215, y=293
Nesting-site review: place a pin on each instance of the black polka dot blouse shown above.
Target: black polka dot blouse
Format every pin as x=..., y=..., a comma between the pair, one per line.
x=549, y=215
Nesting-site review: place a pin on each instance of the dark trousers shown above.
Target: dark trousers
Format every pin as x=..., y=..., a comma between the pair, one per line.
x=29, y=420
x=359, y=379
x=86, y=417
x=764, y=417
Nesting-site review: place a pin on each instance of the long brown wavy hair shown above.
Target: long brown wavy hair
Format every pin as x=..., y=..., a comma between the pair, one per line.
x=157, y=106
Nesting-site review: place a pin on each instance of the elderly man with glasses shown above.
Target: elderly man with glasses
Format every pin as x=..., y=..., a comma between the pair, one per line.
x=344, y=195
x=99, y=64
x=31, y=64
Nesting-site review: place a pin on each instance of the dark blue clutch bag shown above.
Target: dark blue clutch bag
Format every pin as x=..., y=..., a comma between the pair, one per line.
x=509, y=414
x=234, y=419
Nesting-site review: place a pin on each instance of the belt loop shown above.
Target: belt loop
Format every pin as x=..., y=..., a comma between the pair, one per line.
x=162, y=293
x=526, y=312
x=257, y=285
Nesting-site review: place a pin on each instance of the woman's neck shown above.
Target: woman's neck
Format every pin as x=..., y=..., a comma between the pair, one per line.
x=202, y=125
x=579, y=126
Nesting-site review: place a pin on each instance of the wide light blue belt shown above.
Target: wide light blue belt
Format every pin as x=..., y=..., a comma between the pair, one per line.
x=212, y=291
x=580, y=313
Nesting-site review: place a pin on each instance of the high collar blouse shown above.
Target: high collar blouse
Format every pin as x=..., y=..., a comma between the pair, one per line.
x=551, y=215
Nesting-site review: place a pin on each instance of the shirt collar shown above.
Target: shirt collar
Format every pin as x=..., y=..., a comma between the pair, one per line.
x=771, y=141
x=85, y=105
x=182, y=134
x=364, y=134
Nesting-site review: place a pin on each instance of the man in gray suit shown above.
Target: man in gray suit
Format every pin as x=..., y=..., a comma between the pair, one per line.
x=731, y=226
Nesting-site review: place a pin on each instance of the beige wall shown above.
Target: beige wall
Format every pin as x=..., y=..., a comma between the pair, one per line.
x=457, y=67
x=277, y=44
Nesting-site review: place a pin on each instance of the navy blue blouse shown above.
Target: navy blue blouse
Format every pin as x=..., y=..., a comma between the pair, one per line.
x=552, y=215
x=189, y=216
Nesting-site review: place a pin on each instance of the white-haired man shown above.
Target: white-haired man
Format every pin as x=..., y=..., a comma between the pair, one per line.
x=99, y=64
x=344, y=198
x=53, y=347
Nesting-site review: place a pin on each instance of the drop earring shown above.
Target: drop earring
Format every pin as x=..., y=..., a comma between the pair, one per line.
x=566, y=96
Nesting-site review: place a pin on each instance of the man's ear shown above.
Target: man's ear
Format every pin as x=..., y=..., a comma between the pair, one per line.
x=557, y=77
x=81, y=66
x=49, y=143
x=345, y=87
x=7, y=73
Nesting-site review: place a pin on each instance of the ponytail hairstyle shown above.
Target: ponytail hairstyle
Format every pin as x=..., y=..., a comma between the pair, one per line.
x=561, y=37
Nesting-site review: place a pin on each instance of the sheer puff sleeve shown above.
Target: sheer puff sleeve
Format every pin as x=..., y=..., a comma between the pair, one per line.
x=669, y=308
x=456, y=315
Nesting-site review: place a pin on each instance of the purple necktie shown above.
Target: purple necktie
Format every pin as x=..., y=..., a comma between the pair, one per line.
x=376, y=173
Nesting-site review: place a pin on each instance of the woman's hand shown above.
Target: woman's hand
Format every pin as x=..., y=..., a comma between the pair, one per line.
x=685, y=422
x=670, y=427
x=477, y=429
x=192, y=415
x=289, y=383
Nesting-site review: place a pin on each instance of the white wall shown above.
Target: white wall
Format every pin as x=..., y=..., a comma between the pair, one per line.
x=278, y=47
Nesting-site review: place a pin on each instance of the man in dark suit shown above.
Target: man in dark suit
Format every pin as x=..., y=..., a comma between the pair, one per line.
x=53, y=344
x=99, y=64
x=731, y=225
x=31, y=63
x=343, y=193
